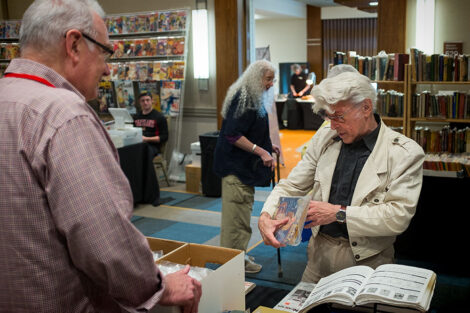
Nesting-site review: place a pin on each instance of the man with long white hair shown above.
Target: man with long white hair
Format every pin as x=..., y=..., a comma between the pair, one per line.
x=243, y=154
x=365, y=180
x=66, y=241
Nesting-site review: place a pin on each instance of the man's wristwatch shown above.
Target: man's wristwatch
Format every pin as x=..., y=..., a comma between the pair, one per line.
x=341, y=215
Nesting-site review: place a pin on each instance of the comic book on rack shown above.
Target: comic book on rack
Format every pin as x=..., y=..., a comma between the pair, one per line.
x=391, y=287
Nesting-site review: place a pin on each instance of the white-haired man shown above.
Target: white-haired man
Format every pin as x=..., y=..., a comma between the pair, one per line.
x=67, y=243
x=364, y=177
x=243, y=154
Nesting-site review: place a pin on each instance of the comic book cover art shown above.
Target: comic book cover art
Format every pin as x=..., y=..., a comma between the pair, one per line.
x=175, y=46
x=153, y=22
x=295, y=209
x=12, y=29
x=173, y=20
x=2, y=29
x=118, y=47
x=177, y=70
x=181, y=20
x=2, y=50
x=12, y=50
x=115, y=24
x=139, y=47
x=132, y=73
x=122, y=69
x=131, y=24
x=113, y=70
x=161, y=46
x=142, y=71
x=147, y=48
x=164, y=74
x=152, y=49
x=170, y=93
x=106, y=96
x=152, y=87
x=142, y=23
x=125, y=95
x=129, y=48
x=163, y=20
x=150, y=70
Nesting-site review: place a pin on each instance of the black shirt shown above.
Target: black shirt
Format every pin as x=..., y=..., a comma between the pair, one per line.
x=152, y=124
x=229, y=159
x=298, y=81
x=351, y=160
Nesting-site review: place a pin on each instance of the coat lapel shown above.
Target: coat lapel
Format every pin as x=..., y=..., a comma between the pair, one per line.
x=375, y=167
x=326, y=167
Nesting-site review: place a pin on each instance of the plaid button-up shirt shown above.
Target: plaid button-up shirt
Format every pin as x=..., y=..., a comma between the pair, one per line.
x=66, y=241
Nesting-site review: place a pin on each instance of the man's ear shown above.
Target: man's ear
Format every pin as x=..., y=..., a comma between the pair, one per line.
x=367, y=106
x=72, y=44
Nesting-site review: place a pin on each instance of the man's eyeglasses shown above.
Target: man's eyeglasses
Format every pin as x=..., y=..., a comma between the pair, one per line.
x=105, y=48
x=336, y=118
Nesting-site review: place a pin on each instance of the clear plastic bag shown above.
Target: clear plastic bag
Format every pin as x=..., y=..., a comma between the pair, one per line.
x=294, y=208
x=195, y=272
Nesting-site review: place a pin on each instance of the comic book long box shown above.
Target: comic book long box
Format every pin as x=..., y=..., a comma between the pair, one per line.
x=223, y=289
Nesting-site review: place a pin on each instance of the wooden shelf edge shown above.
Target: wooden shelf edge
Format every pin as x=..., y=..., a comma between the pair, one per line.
x=441, y=120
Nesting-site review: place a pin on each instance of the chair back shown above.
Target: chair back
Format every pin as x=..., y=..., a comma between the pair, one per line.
x=163, y=146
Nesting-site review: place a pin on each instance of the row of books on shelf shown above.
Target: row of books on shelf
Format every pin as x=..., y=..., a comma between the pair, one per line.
x=448, y=162
x=390, y=103
x=9, y=51
x=143, y=71
x=383, y=66
x=438, y=67
x=124, y=94
x=148, y=47
x=10, y=29
x=161, y=21
x=444, y=104
x=451, y=140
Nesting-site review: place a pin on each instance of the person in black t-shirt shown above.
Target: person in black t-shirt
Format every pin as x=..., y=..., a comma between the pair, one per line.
x=153, y=124
x=298, y=82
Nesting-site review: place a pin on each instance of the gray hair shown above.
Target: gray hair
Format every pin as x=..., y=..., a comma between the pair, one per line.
x=46, y=21
x=296, y=67
x=249, y=88
x=347, y=86
x=341, y=68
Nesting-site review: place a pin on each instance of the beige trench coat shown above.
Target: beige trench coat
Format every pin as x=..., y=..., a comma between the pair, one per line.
x=385, y=196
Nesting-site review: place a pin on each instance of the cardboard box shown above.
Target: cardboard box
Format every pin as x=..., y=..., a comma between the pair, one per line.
x=165, y=245
x=193, y=178
x=224, y=288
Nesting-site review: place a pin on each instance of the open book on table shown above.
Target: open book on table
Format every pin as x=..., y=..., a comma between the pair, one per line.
x=390, y=284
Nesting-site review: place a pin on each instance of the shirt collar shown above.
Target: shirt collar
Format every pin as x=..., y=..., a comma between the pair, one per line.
x=26, y=66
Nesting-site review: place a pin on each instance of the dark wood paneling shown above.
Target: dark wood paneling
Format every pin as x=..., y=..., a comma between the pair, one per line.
x=391, y=26
x=314, y=40
x=229, y=46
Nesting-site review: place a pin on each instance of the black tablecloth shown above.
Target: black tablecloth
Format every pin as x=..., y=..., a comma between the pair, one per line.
x=136, y=163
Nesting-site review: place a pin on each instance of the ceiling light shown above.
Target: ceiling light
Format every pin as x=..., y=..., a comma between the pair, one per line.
x=374, y=3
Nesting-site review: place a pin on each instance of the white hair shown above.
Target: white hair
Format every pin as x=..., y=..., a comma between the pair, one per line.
x=347, y=86
x=249, y=88
x=341, y=68
x=45, y=22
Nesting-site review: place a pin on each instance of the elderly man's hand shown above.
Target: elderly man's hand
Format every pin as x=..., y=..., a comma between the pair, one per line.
x=321, y=213
x=182, y=290
x=268, y=227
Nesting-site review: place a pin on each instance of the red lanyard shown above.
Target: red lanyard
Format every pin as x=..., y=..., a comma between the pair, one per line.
x=30, y=77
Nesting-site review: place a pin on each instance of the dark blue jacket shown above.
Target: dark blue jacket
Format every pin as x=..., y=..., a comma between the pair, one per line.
x=229, y=159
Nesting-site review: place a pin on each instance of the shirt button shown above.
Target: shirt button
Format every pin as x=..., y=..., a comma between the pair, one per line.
x=395, y=140
x=354, y=243
x=376, y=200
x=357, y=256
